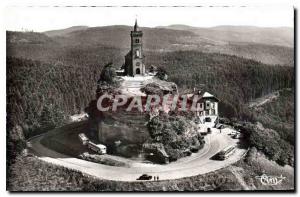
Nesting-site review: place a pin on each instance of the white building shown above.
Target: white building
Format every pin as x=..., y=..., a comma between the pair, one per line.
x=207, y=109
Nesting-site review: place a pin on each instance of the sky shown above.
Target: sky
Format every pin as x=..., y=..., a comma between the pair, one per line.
x=46, y=18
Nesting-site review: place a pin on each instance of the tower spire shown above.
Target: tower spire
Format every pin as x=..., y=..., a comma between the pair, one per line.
x=136, y=25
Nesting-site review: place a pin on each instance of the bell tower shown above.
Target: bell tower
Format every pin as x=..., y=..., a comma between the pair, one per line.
x=134, y=60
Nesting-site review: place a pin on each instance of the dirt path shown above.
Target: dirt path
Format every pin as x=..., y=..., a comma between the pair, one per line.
x=198, y=163
x=263, y=100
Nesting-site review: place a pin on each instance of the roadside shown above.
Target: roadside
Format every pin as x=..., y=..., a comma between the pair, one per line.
x=198, y=163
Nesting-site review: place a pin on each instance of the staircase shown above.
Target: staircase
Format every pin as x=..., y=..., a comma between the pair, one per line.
x=132, y=84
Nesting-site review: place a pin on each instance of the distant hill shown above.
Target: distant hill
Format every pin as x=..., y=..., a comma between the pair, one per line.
x=267, y=45
x=64, y=32
x=119, y=36
x=282, y=36
x=14, y=37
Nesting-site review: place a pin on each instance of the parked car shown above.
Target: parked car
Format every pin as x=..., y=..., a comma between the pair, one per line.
x=98, y=148
x=233, y=133
x=83, y=138
x=238, y=136
x=220, y=126
x=28, y=144
x=144, y=177
x=187, y=152
x=208, y=130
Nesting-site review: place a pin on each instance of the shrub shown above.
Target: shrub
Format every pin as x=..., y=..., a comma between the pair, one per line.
x=269, y=142
x=108, y=74
x=171, y=132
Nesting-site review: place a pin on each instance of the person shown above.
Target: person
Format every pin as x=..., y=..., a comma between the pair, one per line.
x=157, y=178
x=154, y=178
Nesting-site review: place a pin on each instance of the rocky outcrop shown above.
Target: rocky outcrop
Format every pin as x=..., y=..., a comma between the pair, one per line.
x=156, y=152
x=159, y=87
x=177, y=134
x=128, y=127
x=134, y=131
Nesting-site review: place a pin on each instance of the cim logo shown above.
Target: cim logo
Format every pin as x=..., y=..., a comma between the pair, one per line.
x=270, y=180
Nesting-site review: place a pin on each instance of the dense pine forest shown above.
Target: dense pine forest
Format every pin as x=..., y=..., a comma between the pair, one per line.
x=234, y=80
x=50, y=78
x=42, y=94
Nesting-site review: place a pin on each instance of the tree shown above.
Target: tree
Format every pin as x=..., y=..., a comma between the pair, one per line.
x=108, y=74
x=51, y=117
x=161, y=74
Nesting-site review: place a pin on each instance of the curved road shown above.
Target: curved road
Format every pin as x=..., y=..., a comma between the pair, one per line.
x=197, y=163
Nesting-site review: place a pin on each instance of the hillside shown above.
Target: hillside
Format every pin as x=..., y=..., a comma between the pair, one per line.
x=118, y=37
x=63, y=32
x=267, y=45
x=281, y=36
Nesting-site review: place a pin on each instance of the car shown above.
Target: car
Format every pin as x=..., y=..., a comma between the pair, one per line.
x=98, y=148
x=144, y=177
x=207, y=119
x=187, y=152
x=208, y=130
x=220, y=126
x=233, y=133
x=28, y=144
x=238, y=136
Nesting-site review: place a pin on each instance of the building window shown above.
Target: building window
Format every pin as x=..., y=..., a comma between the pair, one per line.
x=137, y=64
x=213, y=112
x=137, y=41
x=137, y=53
x=207, y=105
x=206, y=112
x=201, y=105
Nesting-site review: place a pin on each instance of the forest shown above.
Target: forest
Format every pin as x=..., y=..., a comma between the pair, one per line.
x=235, y=81
x=48, y=79
x=43, y=94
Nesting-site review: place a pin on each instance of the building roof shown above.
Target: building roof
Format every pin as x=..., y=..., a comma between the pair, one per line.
x=201, y=96
x=207, y=95
x=136, y=27
x=128, y=54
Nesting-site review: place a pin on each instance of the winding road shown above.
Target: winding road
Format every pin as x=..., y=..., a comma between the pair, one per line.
x=197, y=163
